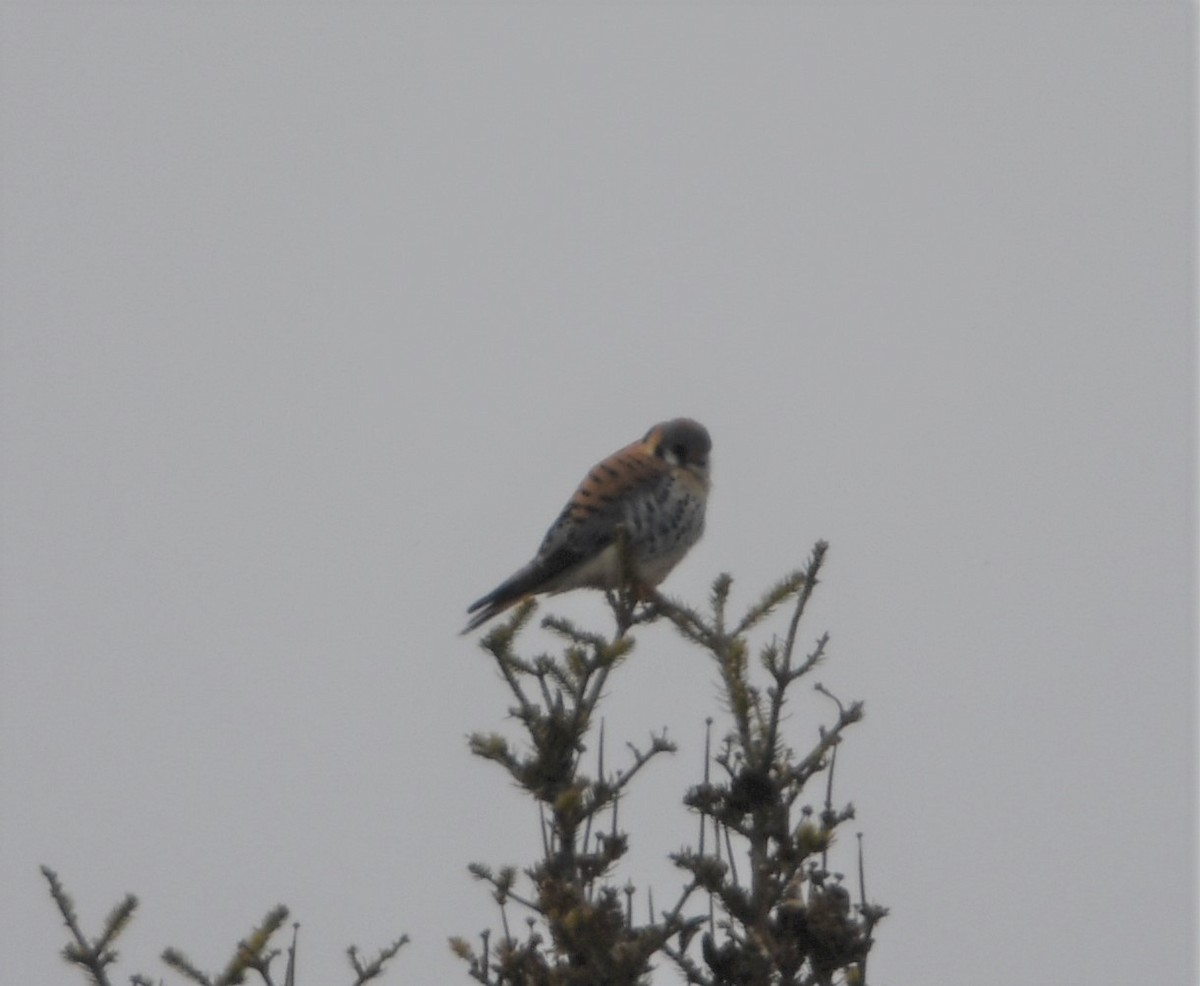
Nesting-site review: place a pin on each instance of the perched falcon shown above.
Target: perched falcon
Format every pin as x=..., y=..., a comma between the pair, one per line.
x=656, y=488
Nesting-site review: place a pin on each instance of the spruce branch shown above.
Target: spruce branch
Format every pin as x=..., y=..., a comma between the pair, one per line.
x=366, y=971
x=251, y=954
x=252, y=951
x=790, y=921
x=784, y=675
x=94, y=956
x=289, y=978
x=174, y=958
x=581, y=924
x=784, y=918
x=771, y=600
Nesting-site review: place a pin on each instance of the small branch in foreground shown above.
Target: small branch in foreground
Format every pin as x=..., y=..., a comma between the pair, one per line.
x=94, y=957
x=250, y=954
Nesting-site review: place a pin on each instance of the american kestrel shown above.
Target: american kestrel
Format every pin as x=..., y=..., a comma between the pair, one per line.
x=655, y=488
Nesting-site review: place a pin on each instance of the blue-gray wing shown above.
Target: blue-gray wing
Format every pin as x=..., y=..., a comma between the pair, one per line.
x=587, y=525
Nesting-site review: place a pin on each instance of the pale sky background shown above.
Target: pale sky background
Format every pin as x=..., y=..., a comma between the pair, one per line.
x=314, y=314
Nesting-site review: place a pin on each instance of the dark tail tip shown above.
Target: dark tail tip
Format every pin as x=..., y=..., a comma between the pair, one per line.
x=487, y=608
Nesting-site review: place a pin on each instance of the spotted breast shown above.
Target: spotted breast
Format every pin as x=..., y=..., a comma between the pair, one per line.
x=655, y=490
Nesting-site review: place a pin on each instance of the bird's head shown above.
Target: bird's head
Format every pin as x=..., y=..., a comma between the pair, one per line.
x=683, y=444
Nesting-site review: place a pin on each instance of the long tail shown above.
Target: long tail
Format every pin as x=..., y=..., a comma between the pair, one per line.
x=507, y=594
x=493, y=609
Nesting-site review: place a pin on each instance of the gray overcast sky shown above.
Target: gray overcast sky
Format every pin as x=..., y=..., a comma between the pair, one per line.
x=313, y=314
